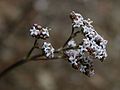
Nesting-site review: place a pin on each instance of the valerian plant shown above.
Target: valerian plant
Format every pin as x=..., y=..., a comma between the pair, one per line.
x=80, y=55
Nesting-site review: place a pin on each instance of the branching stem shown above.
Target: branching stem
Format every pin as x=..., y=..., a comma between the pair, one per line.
x=38, y=57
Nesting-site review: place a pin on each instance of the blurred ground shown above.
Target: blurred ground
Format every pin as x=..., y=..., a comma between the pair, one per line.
x=16, y=16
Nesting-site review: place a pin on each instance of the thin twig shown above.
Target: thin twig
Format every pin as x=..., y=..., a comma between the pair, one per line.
x=31, y=50
x=69, y=37
x=16, y=64
x=44, y=58
x=34, y=58
x=73, y=34
x=20, y=62
x=23, y=61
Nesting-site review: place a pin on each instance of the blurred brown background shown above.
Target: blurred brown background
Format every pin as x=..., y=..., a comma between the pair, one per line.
x=16, y=17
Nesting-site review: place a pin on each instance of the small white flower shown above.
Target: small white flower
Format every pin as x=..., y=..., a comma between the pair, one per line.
x=44, y=33
x=82, y=49
x=77, y=19
x=77, y=23
x=72, y=55
x=73, y=60
x=88, y=22
x=91, y=73
x=71, y=43
x=86, y=43
x=48, y=50
x=34, y=31
x=82, y=68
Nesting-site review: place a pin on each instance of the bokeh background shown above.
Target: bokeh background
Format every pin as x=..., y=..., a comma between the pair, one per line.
x=16, y=17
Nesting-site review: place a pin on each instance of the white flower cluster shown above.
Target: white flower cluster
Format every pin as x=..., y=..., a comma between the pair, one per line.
x=92, y=43
x=81, y=56
x=86, y=65
x=79, y=61
x=72, y=55
x=48, y=50
x=39, y=32
x=96, y=50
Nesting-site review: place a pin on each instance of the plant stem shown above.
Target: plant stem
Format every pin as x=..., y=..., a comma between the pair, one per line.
x=31, y=50
x=73, y=34
x=20, y=62
x=23, y=61
x=16, y=64
x=32, y=58
x=69, y=37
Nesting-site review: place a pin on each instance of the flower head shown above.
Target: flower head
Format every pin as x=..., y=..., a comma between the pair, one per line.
x=48, y=50
x=35, y=30
x=44, y=33
x=92, y=47
x=39, y=32
x=86, y=66
x=81, y=56
x=93, y=42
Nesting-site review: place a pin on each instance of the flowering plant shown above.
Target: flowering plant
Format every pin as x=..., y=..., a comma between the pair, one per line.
x=80, y=55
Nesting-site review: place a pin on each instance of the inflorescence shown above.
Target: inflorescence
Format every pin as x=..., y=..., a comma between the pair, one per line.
x=80, y=56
